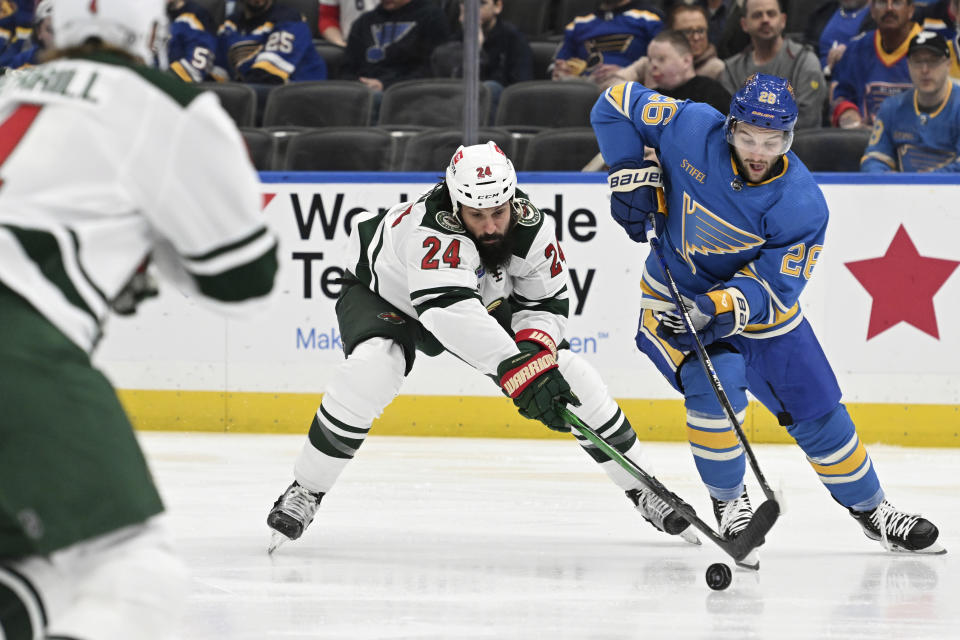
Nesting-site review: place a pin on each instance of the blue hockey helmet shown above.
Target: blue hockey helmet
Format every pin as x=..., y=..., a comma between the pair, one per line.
x=766, y=102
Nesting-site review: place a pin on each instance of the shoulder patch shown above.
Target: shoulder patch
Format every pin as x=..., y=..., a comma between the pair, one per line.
x=527, y=214
x=450, y=222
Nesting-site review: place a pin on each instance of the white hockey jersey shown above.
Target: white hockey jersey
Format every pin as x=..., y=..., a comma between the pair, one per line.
x=103, y=163
x=419, y=257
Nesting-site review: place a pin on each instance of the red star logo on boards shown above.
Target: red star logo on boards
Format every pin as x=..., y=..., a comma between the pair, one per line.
x=902, y=284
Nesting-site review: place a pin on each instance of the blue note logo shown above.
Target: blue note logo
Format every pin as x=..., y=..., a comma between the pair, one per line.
x=706, y=233
x=384, y=35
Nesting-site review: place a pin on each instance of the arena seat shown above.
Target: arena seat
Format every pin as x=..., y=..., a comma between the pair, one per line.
x=831, y=149
x=340, y=149
x=568, y=149
x=432, y=102
x=531, y=17
x=262, y=147
x=543, y=52
x=546, y=103
x=324, y=103
x=431, y=150
x=238, y=100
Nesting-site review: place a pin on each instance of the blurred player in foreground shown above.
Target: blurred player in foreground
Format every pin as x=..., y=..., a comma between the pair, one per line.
x=99, y=158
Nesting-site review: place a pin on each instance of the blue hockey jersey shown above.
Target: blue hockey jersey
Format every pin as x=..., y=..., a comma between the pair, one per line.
x=271, y=48
x=721, y=231
x=866, y=75
x=16, y=27
x=192, y=45
x=906, y=139
x=610, y=37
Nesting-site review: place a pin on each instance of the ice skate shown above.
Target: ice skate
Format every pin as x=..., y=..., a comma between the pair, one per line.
x=899, y=531
x=733, y=516
x=661, y=515
x=291, y=514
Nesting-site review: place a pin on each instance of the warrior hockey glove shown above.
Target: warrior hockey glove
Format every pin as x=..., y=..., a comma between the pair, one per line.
x=636, y=191
x=716, y=314
x=532, y=380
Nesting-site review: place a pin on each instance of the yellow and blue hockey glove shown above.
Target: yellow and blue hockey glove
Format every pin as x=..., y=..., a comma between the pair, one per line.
x=636, y=191
x=715, y=315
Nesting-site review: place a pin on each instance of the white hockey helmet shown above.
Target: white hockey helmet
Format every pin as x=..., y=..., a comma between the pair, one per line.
x=480, y=176
x=135, y=26
x=43, y=10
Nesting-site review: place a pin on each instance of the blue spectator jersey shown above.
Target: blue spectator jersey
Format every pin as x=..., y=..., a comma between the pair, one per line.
x=866, y=75
x=905, y=138
x=617, y=37
x=721, y=231
x=840, y=29
x=26, y=58
x=273, y=47
x=192, y=45
x=16, y=26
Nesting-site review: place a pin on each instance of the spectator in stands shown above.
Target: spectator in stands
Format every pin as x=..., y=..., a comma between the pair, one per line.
x=832, y=25
x=41, y=39
x=725, y=32
x=192, y=47
x=919, y=130
x=337, y=16
x=769, y=52
x=393, y=42
x=505, y=54
x=874, y=66
x=954, y=35
x=597, y=45
x=672, y=74
x=266, y=43
x=16, y=27
x=691, y=21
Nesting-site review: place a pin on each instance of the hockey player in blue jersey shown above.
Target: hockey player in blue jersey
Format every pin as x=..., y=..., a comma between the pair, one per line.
x=919, y=130
x=265, y=43
x=193, y=41
x=742, y=223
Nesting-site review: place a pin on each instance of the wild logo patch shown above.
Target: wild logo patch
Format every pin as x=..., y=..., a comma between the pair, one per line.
x=450, y=222
x=527, y=214
x=391, y=317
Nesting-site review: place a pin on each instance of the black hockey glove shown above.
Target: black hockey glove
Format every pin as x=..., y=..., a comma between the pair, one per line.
x=141, y=286
x=532, y=380
x=636, y=191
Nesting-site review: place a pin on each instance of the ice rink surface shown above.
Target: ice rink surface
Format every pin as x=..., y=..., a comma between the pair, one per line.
x=451, y=538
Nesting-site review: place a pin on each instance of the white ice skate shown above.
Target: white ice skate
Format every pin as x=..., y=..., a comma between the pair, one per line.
x=733, y=516
x=291, y=514
x=661, y=515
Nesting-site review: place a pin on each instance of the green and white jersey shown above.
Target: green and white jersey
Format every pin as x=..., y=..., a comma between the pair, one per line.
x=103, y=163
x=419, y=257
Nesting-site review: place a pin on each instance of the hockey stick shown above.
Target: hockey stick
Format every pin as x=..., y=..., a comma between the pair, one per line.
x=770, y=509
x=738, y=548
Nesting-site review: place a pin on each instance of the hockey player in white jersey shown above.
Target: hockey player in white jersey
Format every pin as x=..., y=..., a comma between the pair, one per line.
x=473, y=268
x=104, y=163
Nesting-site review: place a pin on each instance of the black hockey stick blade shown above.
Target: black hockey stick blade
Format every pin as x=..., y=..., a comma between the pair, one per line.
x=764, y=517
x=737, y=548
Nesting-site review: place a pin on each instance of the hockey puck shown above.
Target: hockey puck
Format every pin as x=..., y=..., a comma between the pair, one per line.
x=719, y=576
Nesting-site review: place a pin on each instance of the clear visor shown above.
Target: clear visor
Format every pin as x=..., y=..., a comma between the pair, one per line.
x=756, y=140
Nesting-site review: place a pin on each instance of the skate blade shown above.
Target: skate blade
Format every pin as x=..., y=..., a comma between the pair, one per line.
x=276, y=540
x=936, y=549
x=751, y=562
x=689, y=535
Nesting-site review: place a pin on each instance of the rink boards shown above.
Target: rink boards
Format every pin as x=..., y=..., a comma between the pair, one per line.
x=884, y=300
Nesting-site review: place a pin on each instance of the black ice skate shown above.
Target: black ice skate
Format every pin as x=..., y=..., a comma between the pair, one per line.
x=733, y=516
x=291, y=514
x=661, y=515
x=899, y=531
